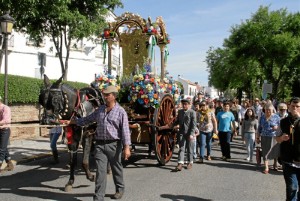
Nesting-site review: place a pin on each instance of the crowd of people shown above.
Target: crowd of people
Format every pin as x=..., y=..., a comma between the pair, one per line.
x=276, y=127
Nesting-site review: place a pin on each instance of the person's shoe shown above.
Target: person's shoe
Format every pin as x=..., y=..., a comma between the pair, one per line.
x=10, y=166
x=247, y=159
x=117, y=195
x=179, y=167
x=228, y=159
x=68, y=166
x=208, y=158
x=189, y=166
x=275, y=168
x=265, y=172
x=55, y=157
x=200, y=160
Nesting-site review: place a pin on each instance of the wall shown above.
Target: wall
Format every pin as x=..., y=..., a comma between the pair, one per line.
x=25, y=113
x=189, y=90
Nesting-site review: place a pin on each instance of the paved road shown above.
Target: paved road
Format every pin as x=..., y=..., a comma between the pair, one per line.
x=146, y=181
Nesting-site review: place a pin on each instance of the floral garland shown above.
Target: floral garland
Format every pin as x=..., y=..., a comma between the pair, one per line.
x=147, y=89
x=103, y=81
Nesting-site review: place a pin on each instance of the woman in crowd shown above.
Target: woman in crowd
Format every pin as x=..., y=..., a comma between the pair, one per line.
x=268, y=124
x=249, y=128
x=207, y=124
x=282, y=110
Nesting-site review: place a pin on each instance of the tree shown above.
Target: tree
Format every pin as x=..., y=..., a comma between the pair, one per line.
x=265, y=47
x=61, y=20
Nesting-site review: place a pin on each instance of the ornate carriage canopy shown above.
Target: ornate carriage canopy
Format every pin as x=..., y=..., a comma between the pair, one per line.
x=137, y=37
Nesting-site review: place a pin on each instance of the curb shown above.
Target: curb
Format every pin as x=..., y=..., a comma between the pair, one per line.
x=33, y=158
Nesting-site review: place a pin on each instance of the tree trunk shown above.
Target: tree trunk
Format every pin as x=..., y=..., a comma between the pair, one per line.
x=66, y=72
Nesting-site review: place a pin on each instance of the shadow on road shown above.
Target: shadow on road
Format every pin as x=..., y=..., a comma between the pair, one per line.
x=34, y=183
x=182, y=197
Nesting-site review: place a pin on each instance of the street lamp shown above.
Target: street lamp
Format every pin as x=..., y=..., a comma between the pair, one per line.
x=7, y=23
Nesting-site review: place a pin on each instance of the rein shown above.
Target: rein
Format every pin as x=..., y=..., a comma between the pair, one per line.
x=77, y=105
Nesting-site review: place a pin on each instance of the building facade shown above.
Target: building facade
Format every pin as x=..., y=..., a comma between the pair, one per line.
x=86, y=58
x=190, y=88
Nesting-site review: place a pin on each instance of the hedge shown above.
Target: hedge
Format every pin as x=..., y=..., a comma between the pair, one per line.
x=25, y=89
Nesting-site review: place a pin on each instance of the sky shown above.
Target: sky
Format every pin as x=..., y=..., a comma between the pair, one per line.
x=196, y=25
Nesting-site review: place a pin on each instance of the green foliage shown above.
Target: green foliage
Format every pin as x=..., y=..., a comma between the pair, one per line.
x=21, y=89
x=265, y=47
x=25, y=89
x=76, y=85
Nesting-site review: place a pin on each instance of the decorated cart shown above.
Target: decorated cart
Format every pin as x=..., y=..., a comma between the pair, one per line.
x=150, y=100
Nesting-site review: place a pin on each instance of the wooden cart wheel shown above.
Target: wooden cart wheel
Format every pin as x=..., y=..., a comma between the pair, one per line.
x=164, y=139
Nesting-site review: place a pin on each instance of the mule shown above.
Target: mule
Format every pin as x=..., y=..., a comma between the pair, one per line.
x=64, y=102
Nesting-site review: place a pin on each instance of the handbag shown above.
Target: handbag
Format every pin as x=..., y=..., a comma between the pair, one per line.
x=215, y=136
x=258, y=155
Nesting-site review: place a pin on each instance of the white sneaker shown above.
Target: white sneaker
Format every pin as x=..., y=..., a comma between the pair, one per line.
x=247, y=159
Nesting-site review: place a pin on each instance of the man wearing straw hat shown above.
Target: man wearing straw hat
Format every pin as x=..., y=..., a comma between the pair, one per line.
x=112, y=136
x=5, y=119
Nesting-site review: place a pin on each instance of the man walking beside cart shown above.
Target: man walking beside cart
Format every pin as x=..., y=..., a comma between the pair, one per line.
x=112, y=135
x=186, y=122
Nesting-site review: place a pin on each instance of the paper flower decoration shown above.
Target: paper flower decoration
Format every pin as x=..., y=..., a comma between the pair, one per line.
x=146, y=89
x=103, y=81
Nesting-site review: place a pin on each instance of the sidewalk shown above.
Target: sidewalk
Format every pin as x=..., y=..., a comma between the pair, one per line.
x=26, y=150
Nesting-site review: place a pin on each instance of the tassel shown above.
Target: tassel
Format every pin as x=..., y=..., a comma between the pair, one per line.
x=104, y=48
x=292, y=133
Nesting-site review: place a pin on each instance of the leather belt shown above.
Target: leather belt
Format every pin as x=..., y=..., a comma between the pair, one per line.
x=105, y=141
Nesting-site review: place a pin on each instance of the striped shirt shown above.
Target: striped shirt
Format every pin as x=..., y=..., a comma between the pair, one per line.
x=5, y=115
x=110, y=126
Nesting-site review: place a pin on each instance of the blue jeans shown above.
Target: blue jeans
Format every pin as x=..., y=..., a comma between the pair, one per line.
x=291, y=177
x=4, y=138
x=53, y=140
x=249, y=138
x=205, y=140
x=224, y=138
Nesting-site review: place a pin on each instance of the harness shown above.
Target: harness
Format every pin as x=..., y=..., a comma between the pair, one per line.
x=83, y=104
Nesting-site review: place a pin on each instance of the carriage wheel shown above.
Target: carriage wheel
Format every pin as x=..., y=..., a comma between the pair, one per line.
x=165, y=139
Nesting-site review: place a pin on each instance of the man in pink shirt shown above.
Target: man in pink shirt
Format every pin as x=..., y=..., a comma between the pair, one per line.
x=5, y=119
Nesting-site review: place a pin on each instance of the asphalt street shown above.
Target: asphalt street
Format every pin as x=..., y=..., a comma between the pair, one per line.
x=37, y=179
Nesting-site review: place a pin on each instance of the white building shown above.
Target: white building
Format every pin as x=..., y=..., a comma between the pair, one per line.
x=190, y=88
x=211, y=92
x=86, y=58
